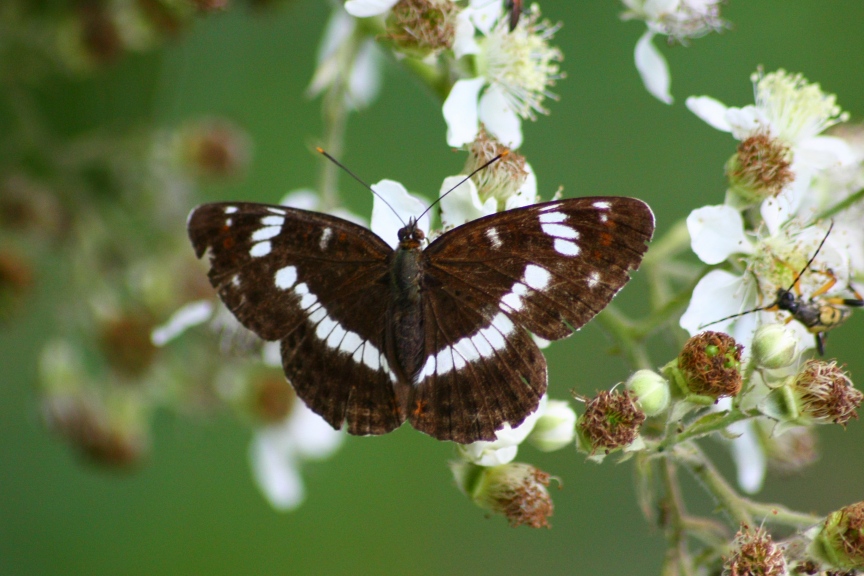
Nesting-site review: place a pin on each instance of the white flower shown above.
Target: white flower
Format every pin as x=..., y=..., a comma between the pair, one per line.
x=392, y=208
x=794, y=113
x=278, y=451
x=770, y=261
x=515, y=68
x=345, y=52
x=187, y=316
x=679, y=20
x=504, y=449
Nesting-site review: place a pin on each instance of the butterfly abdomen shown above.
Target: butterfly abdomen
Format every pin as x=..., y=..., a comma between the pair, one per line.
x=405, y=340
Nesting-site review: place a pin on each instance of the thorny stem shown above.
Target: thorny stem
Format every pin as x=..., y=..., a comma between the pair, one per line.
x=676, y=561
x=703, y=427
x=692, y=458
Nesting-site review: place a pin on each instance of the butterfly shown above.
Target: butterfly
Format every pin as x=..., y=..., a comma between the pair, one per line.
x=439, y=334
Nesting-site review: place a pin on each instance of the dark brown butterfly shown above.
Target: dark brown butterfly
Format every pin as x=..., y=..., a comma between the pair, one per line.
x=441, y=335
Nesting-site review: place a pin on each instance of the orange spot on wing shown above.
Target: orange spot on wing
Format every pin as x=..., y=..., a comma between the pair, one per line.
x=606, y=239
x=228, y=242
x=419, y=409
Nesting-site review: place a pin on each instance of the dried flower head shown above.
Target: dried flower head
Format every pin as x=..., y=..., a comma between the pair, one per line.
x=516, y=490
x=272, y=396
x=761, y=168
x=423, y=25
x=501, y=180
x=825, y=393
x=611, y=420
x=754, y=552
x=840, y=540
x=126, y=343
x=710, y=365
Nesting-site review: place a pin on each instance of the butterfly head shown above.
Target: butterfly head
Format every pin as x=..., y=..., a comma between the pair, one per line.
x=411, y=236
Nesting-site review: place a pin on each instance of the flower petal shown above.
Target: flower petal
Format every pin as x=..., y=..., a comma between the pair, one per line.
x=463, y=203
x=364, y=84
x=192, y=314
x=463, y=39
x=460, y=111
x=499, y=118
x=748, y=456
x=653, y=68
x=313, y=437
x=717, y=232
x=503, y=450
x=710, y=110
x=275, y=471
x=304, y=199
x=747, y=121
x=717, y=295
x=527, y=193
x=484, y=14
x=366, y=8
x=385, y=222
x=824, y=152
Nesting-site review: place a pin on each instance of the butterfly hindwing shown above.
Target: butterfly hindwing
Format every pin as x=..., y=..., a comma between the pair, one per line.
x=317, y=283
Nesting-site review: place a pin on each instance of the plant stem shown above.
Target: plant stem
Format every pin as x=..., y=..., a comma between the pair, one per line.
x=691, y=457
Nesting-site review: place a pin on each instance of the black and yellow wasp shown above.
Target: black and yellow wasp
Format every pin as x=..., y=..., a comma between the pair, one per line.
x=817, y=313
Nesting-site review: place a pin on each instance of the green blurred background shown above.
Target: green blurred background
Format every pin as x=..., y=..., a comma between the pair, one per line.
x=388, y=505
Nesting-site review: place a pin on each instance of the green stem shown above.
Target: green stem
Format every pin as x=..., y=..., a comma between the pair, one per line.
x=840, y=206
x=703, y=427
x=621, y=329
x=779, y=514
x=663, y=249
x=691, y=457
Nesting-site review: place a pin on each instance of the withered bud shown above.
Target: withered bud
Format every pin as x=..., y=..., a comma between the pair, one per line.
x=126, y=343
x=272, y=396
x=755, y=552
x=16, y=279
x=759, y=169
x=611, y=420
x=214, y=148
x=825, y=393
x=501, y=180
x=710, y=365
x=422, y=26
x=516, y=490
x=90, y=430
x=840, y=540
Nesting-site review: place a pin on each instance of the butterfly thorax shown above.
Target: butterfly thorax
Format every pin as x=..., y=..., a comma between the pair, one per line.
x=406, y=336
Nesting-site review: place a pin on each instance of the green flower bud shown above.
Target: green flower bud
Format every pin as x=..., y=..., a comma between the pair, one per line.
x=774, y=346
x=556, y=428
x=651, y=391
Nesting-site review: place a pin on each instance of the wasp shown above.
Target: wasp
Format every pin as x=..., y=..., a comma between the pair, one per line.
x=515, y=8
x=816, y=313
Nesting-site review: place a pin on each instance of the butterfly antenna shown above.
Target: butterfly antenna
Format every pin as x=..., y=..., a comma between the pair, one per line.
x=812, y=258
x=360, y=180
x=484, y=166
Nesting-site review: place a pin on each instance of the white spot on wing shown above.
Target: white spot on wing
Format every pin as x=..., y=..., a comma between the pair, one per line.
x=444, y=360
x=260, y=249
x=273, y=221
x=235, y=280
x=513, y=299
x=350, y=343
x=551, y=207
x=536, y=277
x=492, y=234
x=325, y=327
x=593, y=279
x=286, y=277
x=326, y=234
x=336, y=337
x=276, y=210
x=229, y=222
x=602, y=205
x=603, y=217
x=230, y=209
x=566, y=247
x=265, y=233
x=552, y=217
x=559, y=230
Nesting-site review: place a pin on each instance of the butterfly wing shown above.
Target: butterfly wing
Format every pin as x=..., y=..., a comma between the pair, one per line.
x=319, y=285
x=546, y=269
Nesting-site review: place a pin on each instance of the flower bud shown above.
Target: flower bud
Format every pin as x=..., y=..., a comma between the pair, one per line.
x=651, y=391
x=516, y=490
x=774, y=346
x=840, y=540
x=556, y=428
x=611, y=421
x=754, y=552
x=709, y=365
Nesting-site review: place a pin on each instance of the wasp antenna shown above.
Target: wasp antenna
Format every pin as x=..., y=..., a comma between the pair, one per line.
x=483, y=167
x=733, y=316
x=360, y=180
x=812, y=258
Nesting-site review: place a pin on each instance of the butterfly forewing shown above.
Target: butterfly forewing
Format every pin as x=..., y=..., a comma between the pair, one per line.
x=317, y=283
x=550, y=267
